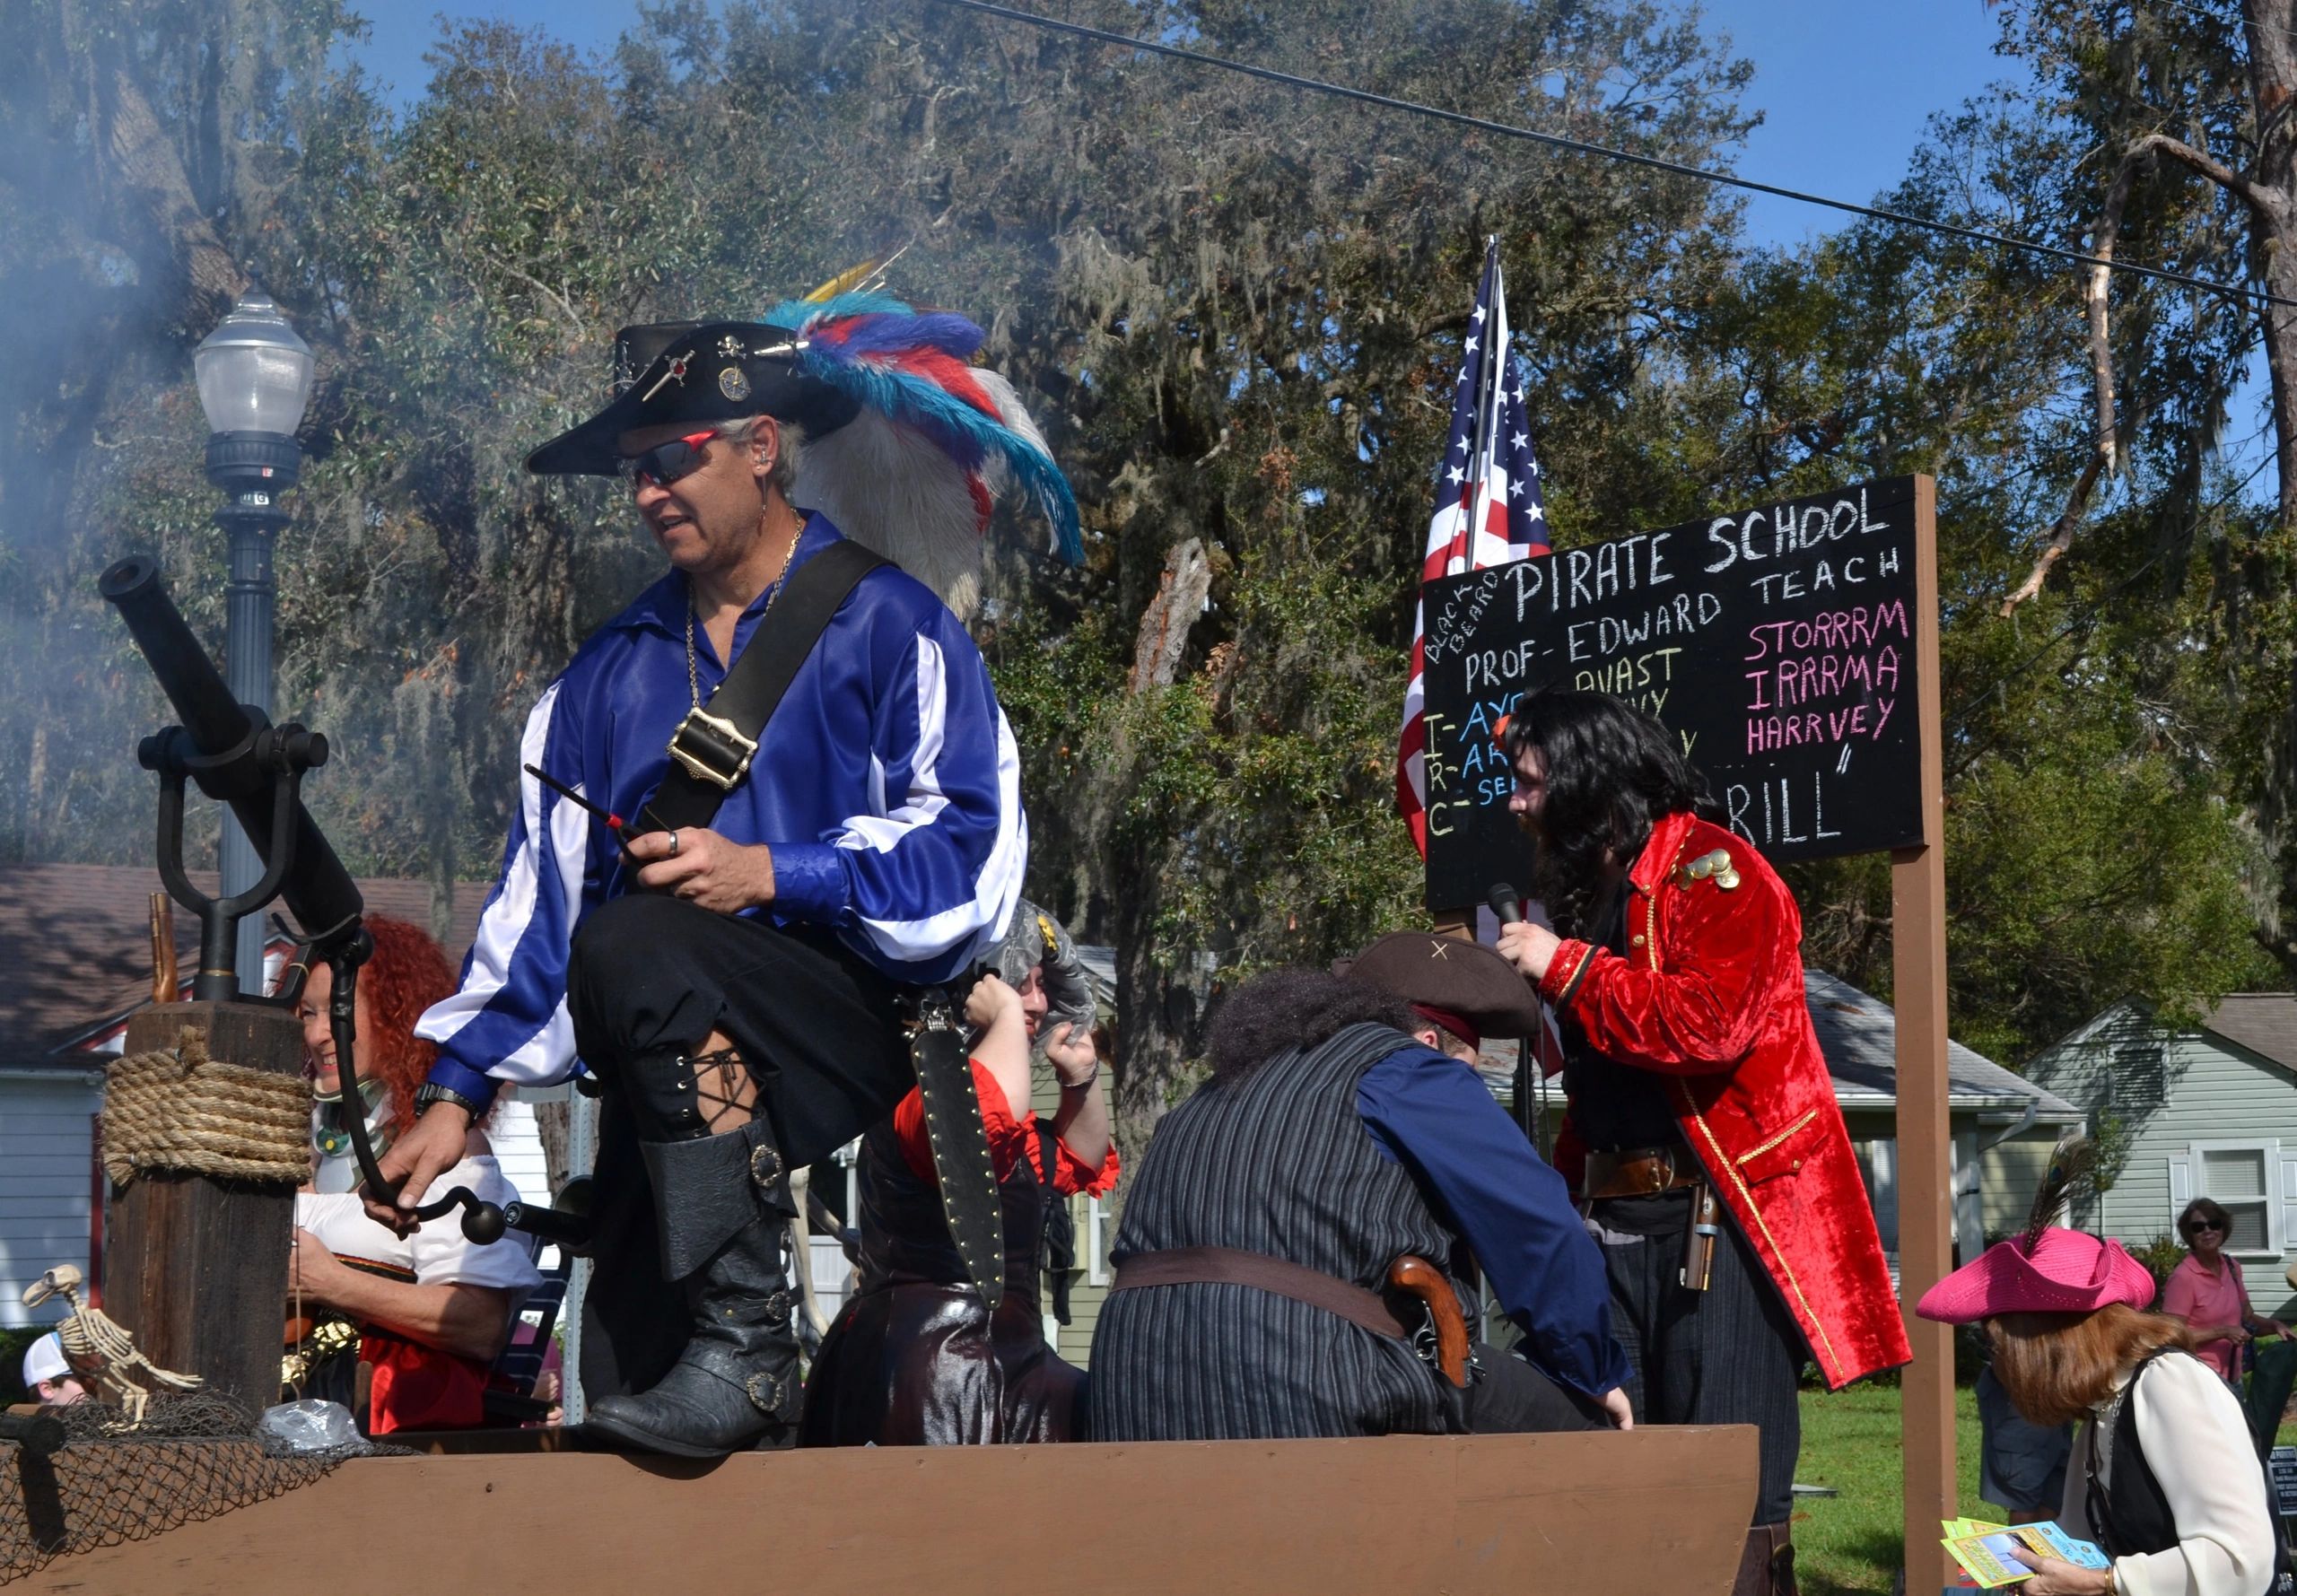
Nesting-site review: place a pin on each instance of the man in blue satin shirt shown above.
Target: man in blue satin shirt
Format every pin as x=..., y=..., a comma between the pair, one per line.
x=735, y=985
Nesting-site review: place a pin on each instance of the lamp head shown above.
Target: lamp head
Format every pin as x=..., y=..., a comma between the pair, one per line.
x=254, y=373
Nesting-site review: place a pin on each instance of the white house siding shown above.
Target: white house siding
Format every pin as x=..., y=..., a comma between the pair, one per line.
x=2014, y=1169
x=1878, y=1163
x=46, y=1147
x=1995, y=1202
x=1088, y=1286
x=2174, y=1091
x=518, y=1149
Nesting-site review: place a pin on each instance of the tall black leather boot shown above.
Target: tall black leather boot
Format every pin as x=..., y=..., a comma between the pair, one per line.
x=723, y=1205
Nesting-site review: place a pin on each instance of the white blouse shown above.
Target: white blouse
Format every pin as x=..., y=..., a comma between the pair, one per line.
x=436, y=1253
x=2196, y=1441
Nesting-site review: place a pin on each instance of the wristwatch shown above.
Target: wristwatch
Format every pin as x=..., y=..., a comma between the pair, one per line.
x=1084, y=1085
x=431, y=1092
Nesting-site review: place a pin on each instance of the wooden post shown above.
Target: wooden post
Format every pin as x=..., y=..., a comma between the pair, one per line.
x=196, y=1267
x=1918, y=990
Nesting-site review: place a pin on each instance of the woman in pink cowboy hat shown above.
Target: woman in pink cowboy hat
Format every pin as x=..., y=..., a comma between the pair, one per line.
x=2164, y=1475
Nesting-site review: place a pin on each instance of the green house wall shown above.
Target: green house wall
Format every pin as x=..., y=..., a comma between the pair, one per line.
x=2169, y=1090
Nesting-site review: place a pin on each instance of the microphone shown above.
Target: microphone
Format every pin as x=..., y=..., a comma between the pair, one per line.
x=1505, y=903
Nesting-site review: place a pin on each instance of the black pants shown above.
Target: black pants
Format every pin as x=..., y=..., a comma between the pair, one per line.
x=1730, y=1355
x=1514, y=1398
x=651, y=977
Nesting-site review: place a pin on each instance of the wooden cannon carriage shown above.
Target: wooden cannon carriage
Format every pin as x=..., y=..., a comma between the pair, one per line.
x=1661, y=1511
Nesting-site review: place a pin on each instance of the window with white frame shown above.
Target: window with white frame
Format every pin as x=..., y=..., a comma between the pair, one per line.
x=2254, y=1183
x=1097, y=1242
x=2234, y=1178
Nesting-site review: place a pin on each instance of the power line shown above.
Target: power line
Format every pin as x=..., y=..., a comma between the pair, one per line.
x=2214, y=17
x=1583, y=147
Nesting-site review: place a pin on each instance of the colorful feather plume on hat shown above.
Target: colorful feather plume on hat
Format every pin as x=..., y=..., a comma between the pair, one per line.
x=913, y=476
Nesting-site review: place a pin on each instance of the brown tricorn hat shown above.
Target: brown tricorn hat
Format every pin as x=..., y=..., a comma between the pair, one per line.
x=1449, y=978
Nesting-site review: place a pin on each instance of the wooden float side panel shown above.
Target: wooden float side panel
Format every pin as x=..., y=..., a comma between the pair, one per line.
x=1656, y=1510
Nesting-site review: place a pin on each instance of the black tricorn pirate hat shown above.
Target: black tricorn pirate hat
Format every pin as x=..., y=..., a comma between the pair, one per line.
x=1451, y=973
x=699, y=371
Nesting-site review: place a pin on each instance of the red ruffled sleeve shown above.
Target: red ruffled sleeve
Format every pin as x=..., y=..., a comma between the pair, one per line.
x=1073, y=1177
x=1009, y=1141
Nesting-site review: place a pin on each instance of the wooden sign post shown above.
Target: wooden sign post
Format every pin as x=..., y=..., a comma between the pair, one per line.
x=195, y=1267
x=1794, y=648
x=1925, y=1141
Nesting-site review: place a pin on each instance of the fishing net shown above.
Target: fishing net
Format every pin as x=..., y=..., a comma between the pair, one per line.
x=194, y=1457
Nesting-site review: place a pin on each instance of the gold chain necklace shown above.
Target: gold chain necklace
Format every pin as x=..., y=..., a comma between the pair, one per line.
x=693, y=670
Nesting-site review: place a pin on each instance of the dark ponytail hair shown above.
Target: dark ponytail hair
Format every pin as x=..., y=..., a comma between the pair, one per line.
x=1612, y=772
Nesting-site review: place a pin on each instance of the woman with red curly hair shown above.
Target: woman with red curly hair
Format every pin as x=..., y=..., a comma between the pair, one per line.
x=395, y=986
x=431, y=1310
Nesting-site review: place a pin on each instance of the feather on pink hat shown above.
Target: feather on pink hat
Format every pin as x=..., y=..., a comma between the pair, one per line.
x=2062, y=1271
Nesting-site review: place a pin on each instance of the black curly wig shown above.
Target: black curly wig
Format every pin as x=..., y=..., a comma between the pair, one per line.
x=1612, y=772
x=1296, y=1008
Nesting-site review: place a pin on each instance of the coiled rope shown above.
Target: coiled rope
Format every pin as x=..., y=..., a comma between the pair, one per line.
x=181, y=1110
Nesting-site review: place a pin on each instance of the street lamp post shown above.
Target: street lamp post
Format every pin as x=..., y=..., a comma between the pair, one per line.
x=254, y=377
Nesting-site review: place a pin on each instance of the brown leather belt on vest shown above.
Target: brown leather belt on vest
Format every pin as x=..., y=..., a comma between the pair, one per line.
x=1230, y=1266
x=1641, y=1172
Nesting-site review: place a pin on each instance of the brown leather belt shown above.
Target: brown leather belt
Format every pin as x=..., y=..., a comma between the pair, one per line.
x=1231, y=1266
x=1641, y=1172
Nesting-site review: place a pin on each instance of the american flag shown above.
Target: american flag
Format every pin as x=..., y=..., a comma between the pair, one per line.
x=1488, y=509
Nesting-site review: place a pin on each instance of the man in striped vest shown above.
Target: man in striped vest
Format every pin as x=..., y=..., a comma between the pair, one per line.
x=1337, y=1135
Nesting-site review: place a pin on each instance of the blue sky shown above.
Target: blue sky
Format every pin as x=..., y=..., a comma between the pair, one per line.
x=1835, y=119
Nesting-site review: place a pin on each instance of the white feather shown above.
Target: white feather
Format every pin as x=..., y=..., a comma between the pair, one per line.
x=1009, y=409
x=1015, y=416
x=894, y=491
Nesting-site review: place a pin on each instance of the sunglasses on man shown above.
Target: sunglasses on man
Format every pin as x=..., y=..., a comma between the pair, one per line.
x=666, y=463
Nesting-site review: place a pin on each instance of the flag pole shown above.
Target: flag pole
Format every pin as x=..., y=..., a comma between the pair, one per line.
x=1491, y=400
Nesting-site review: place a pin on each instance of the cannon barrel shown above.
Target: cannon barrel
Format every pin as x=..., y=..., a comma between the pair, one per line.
x=318, y=891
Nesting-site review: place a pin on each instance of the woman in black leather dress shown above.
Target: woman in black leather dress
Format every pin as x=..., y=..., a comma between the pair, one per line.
x=915, y=1358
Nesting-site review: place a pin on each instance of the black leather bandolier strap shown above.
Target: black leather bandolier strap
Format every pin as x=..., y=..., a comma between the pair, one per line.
x=959, y=1138
x=713, y=746
x=710, y=754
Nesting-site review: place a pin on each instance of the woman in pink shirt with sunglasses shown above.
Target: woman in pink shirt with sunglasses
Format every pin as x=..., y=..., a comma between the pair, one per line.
x=2206, y=1290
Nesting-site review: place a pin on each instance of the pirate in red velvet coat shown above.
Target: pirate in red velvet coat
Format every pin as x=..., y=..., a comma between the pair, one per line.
x=1717, y=1174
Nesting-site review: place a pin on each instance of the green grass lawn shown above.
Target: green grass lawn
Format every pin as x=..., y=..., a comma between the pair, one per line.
x=1850, y=1440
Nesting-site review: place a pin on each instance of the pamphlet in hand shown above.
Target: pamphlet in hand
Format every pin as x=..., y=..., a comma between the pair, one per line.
x=1984, y=1550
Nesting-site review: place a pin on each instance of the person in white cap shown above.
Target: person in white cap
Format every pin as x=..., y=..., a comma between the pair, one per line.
x=48, y=1376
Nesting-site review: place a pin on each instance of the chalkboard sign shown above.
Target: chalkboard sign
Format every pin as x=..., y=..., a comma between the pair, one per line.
x=1777, y=641
x=2282, y=1465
